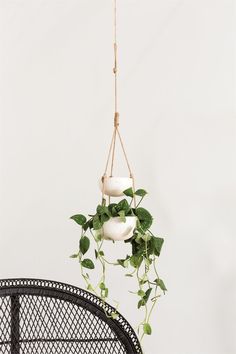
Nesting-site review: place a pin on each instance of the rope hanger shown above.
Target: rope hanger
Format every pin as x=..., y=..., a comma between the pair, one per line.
x=116, y=132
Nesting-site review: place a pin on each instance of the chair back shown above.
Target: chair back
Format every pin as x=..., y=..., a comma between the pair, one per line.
x=48, y=317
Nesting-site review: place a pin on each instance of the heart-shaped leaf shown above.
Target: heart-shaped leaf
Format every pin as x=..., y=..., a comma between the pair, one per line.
x=161, y=284
x=147, y=294
x=102, y=209
x=141, y=193
x=97, y=224
x=141, y=303
x=129, y=192
x=123, y=205
x=147, y=329
x=79, y=219
x=84, y=244
x=87, y=263
x=145, y=218
x=112, y=208
x=157, y=243
x=141, y=293
x=102, y=286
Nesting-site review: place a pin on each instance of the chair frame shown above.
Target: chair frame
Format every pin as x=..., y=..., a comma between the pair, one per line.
x=14, y=288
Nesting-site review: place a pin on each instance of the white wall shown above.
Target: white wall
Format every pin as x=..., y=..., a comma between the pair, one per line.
x=177, y=95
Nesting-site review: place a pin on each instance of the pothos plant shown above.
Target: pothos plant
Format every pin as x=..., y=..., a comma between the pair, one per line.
x=140, y=262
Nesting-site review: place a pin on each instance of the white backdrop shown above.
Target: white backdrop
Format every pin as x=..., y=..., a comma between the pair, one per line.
x=177, y=94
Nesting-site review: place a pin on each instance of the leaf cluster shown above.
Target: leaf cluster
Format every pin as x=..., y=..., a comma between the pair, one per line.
x=145, y=247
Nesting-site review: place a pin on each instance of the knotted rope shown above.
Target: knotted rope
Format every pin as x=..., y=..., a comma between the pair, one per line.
x=116, y=131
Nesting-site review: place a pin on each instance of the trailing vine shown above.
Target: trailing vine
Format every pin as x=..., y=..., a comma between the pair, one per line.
x=145, y=248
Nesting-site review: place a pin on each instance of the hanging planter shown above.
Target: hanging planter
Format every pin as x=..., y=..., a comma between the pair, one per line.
x=118, y=229
x=114, y=186
x=121, y=220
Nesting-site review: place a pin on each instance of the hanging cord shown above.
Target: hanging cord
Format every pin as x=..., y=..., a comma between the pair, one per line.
x=116, y=132
x=115, y=69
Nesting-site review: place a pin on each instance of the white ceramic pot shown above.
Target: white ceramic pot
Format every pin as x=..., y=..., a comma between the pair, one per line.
x=117, y=230
x=115, y=186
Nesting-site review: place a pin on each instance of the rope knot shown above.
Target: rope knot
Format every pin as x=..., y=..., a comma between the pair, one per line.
x=103, y=177
x=116, y=120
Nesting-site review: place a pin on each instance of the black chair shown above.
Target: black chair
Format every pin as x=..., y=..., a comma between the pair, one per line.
x=47, y=317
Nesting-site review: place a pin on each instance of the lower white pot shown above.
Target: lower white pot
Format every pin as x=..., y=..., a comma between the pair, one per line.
x=115, y=186
x=118, y=230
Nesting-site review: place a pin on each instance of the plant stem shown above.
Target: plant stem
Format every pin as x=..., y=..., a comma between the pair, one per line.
x=139, y=202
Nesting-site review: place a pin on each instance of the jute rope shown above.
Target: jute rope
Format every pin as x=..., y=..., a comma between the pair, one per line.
x=116, y=131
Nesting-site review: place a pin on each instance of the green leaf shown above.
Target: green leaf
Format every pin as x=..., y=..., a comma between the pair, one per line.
x=123, y=205
x=123, y=262
x=104, y=218
x=147, y=261
x=122, y=215
x=89, y=287
x=146, y=237
x=104, y=290
x=157, y=244
x=147, y=329
x=129, y=192
x=85, y=277
x=139, y=229
x=147, y=295
x=135, y=261
x=86, y=226
x=114, y=315
x=143, y=280
x=98, y=235
x=100, y=253
x=144, y=217
x=141, y=303
x=138, y=237
x=141, y=193
x=102, y=209
x=141, y=293
x=112, y=209
x=138, y=248
x=102, y=286
x=74, y=256
x=79, y=219
x=129, y=275
x=161, y=284
x=88, y=263
x=84, y=244
x=114, y=212
x=97, y=224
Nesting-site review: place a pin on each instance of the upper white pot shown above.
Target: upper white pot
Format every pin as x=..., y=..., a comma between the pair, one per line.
x=114, y=186
x=117, y=230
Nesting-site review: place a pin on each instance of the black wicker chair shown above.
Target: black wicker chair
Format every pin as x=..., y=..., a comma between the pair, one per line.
x=46, y=317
